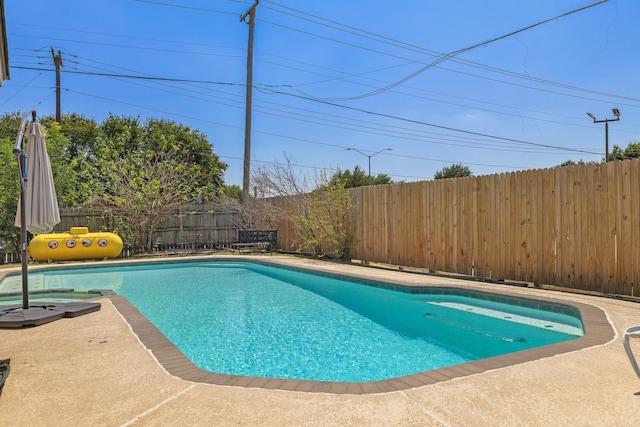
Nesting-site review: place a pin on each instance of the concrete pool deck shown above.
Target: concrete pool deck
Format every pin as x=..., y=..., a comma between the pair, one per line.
x=94, y=370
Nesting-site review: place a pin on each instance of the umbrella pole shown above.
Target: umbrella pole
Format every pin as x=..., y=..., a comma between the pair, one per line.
x=18, y=151
x=23, y=240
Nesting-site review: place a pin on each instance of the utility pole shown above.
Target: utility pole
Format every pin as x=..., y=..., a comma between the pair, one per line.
x=57, y=61
x=251, y=13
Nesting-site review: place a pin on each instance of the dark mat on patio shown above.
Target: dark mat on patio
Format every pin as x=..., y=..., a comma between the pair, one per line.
x=40, y=313
x=5, y=367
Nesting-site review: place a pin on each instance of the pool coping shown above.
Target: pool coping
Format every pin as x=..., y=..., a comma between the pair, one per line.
x=598, y=331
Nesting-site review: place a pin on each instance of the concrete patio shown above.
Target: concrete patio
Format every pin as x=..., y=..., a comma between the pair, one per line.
x=94, y=370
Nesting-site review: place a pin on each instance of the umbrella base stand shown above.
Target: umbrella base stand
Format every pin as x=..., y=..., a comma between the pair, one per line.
x=44, y=312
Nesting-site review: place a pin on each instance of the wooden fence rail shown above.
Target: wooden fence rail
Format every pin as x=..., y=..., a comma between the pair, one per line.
x=577, y=227
x=197, y=226
x=191, y=225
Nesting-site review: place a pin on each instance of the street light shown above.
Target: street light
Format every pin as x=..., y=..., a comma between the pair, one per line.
x=616, y=113
x=370, y=156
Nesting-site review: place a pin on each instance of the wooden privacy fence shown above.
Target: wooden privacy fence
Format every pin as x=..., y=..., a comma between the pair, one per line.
x=191, y=226
x=577, y=227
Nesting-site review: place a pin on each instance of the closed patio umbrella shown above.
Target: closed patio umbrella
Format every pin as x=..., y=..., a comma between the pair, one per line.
x=41, y=203
x=38, y=206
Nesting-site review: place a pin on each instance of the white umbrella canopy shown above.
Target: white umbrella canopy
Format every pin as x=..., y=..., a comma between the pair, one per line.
x=41, y=203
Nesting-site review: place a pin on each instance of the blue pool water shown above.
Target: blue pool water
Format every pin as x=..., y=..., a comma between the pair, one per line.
x=256, y=320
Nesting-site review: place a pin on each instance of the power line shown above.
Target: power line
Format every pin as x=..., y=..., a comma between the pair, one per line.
x=163, y=41
x=168, y=80
x=383, y=39
x=332, y=169
x=342, y=147
x=151, y=78
x=266, y=112
x=125, y=76
x=22, y=88
x=179, y=6
x=440, y=56
x=414, y=89
x=186, y=52
x=157, y=78
x=449, y=55
x=315, y=142
x=162, y=79
x=337, y=25
x=383, y=132
x=432, y=124
x=554, y=92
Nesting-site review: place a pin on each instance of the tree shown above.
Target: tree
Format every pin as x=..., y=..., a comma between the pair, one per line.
x=75, y=157
x=274, y=180
x=137, y=171
x=146, y=171
x=454, y=171
x=9, y=181
x=9, y=125
x=73, y=174
x=631, y=152
x=573, y=163
x=325, y=222
x=320, y=207
x=81, y=132
x=192, y=148
x=358, y=178
x=140, y=192
x=232, y=193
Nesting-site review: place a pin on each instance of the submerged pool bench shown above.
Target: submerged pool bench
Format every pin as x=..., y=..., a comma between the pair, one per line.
x=261, y=240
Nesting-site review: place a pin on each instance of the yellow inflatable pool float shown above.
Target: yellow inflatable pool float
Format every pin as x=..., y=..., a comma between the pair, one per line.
x=75, y=245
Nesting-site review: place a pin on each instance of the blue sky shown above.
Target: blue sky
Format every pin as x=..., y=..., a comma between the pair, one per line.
x=331, y=75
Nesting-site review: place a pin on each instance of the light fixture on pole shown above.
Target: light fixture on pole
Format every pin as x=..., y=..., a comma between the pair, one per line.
x=616, y=113
x=370, y=156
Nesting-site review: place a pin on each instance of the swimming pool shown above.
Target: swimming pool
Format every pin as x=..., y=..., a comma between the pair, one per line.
x=250, y=319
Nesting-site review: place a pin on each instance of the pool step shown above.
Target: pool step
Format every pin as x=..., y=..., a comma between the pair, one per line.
x=510, y=317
